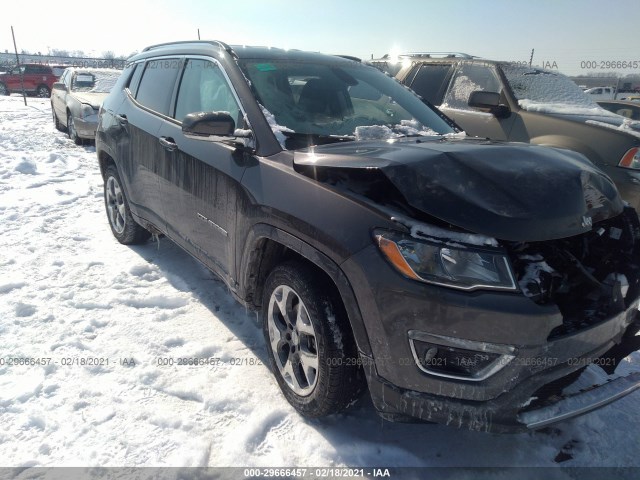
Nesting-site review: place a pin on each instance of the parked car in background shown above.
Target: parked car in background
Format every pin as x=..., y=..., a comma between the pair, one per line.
x=627, y=109
x=76, y=99
x=506, y=101
x=37, y=79
x=467, y=280
x=601, y=93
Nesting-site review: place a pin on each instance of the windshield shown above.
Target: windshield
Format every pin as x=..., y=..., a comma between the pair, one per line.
x=338, y=101
x=94, y=81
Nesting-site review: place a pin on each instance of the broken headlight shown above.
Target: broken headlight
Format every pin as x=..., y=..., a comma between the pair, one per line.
x=451, y=265
x=87, y=110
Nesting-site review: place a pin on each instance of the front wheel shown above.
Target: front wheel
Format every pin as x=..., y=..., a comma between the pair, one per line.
x=309, y=341
x=122, y=224
x=71, y=130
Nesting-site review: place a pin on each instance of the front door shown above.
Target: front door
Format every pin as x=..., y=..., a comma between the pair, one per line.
x=199, y=178
x=470, y=77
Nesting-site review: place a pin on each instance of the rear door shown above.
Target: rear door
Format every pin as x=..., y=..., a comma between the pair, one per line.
x=59, y=97
x=13, y=79
x=200, y=178
x=149, y=96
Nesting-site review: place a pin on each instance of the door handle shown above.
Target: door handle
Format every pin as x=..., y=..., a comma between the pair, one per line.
x=168, y=143
x=122, y=119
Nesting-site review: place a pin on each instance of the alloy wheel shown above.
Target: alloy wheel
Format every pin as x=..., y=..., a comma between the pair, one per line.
x=116, y=208
x=293, y=340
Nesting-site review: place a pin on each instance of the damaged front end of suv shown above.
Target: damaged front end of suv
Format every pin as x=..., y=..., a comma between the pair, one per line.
x=518, y=274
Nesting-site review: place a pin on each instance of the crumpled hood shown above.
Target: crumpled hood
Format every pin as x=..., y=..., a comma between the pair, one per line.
x=93, y=99
x=516, y=192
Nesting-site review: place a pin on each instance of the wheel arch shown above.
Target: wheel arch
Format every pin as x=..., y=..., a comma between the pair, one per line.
x=104, y=160
x=267, y=246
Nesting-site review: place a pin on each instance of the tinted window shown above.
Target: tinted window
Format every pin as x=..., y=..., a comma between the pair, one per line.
x=158, y=81
x=205, y=89
x=431, y=82
x=134, y=81
x=469, y=78
x=37, y=69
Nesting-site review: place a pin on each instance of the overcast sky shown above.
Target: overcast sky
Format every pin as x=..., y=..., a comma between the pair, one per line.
x=563, y=32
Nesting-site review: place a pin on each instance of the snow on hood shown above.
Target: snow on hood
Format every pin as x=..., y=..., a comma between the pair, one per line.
x=627, y=126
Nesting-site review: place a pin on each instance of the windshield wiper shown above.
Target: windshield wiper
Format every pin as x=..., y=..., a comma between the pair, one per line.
x=308, y=139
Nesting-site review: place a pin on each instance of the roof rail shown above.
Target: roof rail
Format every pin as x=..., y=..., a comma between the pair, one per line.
x=222, y=45
x=350, y=57
x=439, y=54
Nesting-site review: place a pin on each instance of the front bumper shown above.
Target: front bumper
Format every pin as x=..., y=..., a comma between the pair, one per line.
x=86, y=127
x=397, y=310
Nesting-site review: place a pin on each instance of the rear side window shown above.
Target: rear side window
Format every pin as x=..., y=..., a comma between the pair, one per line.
x=431, y=82
x=134, y=80
x=157, y=84
x=37, y=69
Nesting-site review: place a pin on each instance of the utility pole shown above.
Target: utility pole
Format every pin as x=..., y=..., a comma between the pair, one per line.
x=24, y=94
x=198, y=34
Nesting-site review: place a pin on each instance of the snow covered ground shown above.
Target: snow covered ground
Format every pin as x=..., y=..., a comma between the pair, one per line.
x=70, y=293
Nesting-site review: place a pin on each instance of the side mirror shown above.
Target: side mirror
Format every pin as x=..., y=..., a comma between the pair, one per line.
x=206, y=124
x=59, y=86
x=489, y=101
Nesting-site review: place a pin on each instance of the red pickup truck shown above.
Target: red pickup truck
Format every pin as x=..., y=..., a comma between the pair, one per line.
x=38, y=79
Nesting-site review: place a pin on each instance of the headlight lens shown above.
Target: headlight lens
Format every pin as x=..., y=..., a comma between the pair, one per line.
x=87, y=110
x=455, y=266
x=631, y=159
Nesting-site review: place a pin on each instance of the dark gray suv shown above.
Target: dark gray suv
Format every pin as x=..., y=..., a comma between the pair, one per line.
x=463, y=281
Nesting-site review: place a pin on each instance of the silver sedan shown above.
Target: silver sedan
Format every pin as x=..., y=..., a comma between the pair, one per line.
x=76, y=99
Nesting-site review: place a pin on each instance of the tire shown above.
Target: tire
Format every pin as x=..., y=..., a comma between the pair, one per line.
x=71, y=130
x=122, y=224
x=43, y=91
x=3, y=89
x=56, y=122
x=303, y=319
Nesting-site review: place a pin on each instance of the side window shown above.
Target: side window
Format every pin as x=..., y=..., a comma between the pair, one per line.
x=67, y=78
x=156, y=87
x=430, y=82
x=204, y=88
x=469, y=78
x=134, y=80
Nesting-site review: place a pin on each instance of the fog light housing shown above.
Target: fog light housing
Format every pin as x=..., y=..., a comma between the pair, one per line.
x=457, y=358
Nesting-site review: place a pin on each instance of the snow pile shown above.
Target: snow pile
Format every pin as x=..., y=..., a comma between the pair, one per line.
x=627, y=126
x=383, y=132
x=104, y=327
